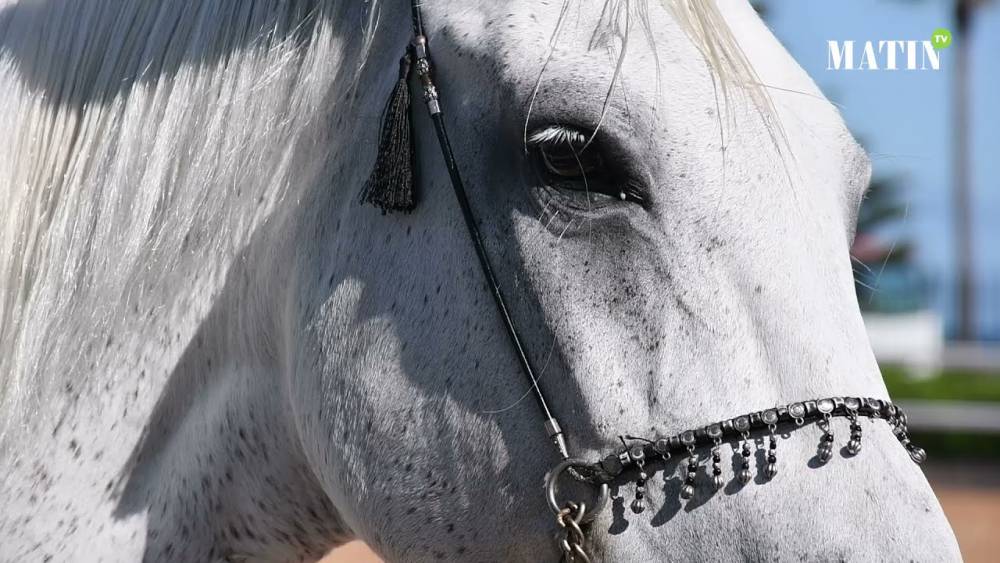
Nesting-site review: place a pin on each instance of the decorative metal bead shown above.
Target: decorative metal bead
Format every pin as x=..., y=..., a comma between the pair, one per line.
x=662, y=446
x=744, y=474
x=825, y=452
x=687, y=491
x=770, y=417
x=639, y=504
x=853, y=447
x=688, y=439
x=771, y=470
x=825, y=406
x=717, y=479
x=797, y=411
x=917, y=454
x=742, y=425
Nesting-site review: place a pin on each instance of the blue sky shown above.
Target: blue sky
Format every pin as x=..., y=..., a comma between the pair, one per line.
x=903, y=117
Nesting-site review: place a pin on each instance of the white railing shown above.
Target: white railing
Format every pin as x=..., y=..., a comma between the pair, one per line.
x=914, y=341
x=952, y=416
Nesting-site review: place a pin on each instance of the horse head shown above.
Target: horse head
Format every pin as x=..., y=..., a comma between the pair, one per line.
x=212, y=349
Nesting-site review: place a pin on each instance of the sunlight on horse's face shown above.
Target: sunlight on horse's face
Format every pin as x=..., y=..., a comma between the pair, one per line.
x=661, y=283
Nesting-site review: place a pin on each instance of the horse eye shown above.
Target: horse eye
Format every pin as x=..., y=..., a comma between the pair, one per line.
x=570, y=159
x=573, y=162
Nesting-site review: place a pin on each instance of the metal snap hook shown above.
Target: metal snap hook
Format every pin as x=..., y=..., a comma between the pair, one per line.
x=551, y=487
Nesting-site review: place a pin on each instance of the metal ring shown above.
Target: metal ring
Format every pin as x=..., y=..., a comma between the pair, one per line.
x=551, y=484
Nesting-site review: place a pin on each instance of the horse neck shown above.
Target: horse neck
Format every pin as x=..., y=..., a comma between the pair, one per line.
x=139, y=341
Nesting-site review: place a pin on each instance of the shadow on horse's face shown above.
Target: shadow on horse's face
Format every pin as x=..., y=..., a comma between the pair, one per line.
x=673, y=253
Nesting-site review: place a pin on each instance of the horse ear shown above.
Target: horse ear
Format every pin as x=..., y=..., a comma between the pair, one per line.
x=391, y=185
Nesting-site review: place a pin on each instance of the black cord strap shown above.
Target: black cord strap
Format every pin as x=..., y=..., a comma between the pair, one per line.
x=423, y=68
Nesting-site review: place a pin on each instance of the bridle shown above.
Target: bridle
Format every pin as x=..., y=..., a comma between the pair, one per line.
x=390, y=187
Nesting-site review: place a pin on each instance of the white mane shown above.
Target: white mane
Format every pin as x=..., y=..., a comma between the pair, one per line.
x=160, y=130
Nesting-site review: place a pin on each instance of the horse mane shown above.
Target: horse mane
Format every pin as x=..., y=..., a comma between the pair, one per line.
x=105, y=221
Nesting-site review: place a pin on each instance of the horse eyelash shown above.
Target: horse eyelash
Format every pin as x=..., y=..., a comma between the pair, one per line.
x=557, y=134
x=635, y=191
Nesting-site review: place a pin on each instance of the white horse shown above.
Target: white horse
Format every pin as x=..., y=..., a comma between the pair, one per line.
x=210, y=351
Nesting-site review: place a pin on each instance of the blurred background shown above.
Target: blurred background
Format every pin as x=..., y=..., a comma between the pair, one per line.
x=927, y=252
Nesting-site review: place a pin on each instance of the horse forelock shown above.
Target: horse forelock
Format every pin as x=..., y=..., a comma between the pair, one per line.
x=703, y=23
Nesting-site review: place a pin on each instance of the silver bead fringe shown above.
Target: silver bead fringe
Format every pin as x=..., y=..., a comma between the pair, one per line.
x=739, y=429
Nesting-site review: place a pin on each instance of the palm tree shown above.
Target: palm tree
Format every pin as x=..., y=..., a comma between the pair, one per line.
x=883, y=206
x=964, y=11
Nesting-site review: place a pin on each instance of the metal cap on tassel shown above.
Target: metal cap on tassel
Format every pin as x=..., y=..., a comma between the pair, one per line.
x=391, y=185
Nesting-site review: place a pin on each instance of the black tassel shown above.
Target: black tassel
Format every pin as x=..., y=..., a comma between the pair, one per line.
x=390, y=186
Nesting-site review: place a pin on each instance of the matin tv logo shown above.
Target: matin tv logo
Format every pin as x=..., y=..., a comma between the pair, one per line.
x=888, y=54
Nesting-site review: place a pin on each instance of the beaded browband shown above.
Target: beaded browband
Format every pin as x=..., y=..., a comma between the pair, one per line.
x=820, y=411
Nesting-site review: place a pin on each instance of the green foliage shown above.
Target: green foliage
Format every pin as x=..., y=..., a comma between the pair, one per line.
x=958, y=445
x=951, y=385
